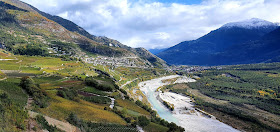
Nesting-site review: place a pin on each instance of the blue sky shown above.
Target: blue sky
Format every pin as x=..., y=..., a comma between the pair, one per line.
x=157, y=23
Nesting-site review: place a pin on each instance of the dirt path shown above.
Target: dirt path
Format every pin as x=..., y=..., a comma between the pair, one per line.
x=65, y=126
x=29, y=103
x=6, y=59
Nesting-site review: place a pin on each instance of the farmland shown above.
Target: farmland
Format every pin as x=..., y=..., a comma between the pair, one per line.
x=247, y=95
x=66, y=91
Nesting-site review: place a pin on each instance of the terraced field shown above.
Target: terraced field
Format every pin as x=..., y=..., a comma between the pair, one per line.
x=53, y=76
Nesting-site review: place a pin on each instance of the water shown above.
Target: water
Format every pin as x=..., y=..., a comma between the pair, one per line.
x=160, y=108
x=149, y=89
x=191, y=122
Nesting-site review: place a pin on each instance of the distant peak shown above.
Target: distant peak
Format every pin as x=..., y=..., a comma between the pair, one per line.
x=250, y=24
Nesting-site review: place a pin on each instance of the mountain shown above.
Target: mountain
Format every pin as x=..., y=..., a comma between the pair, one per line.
x=266, y=49
x=69, y=25
x=200, y=51
x=53, y=31
x=156, y=51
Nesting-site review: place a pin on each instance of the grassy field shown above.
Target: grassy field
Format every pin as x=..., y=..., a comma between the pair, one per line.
x=60, y=109
x=94, y=90
x=255, y=87
x=132, y=106
x=2, y=75
x=11, y=87
x=244, y=96
x=51, y=75
x=152, y=127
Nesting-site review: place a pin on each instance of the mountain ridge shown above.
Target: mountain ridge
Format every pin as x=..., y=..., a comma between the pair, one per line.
x=250, y=23
x=49, y=27
x=200, y=51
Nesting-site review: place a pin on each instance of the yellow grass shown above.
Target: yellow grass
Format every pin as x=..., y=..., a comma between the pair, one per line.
x=132, y=106
x=60, y=108
x=263, y=93
x=273, y=75
x=47, y=86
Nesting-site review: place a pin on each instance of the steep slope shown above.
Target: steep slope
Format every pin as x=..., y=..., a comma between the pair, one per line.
x=53, y=31
x=69, y=25
x=199, y=52
x=156, y=51
x=46, y=31
x=266, y=49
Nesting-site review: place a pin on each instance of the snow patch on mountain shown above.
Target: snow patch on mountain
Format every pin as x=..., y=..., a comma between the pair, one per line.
x=251, y=24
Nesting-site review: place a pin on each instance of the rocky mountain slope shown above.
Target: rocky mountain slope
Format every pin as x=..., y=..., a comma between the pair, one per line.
x=31, y=26
x=202, y=50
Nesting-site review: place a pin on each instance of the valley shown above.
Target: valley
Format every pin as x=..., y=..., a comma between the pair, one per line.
x=184, y=112
x=55, y=76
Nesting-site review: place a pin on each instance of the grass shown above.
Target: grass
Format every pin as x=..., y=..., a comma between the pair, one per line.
x=9, y=65
x=31, y=70
x=2, y=75
x=229, y=92
x=48, y=79
x=114, y=73
x=243, y=86
x=94, y=90
x=129, y=112
x=153, y=127
x=60, y=108
x=132, y=106
x=11, y=86
x=53, y=73
x=98, y=99
x=55, y=82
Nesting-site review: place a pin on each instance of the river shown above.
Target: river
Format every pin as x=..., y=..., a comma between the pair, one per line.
x=184, y=113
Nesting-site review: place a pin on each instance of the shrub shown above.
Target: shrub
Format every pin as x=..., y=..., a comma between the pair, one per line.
x=31, y=50
x=105, y=87
x=168, y=106
x=91, y=82
x=45, y=125
x=174, y=128
x=123, y=91
x=143, y=121
x=98, y=99
x=11, y=114
x=67, y=94
x=39, y=96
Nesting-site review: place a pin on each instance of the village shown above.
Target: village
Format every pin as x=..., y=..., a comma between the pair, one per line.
x=116, y=61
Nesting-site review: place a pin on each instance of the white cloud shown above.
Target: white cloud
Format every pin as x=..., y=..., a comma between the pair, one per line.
x=155, y=24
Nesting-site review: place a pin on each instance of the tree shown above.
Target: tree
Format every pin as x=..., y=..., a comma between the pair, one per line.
x=143, y=121
x=174, y=128
x=91, y=82
x=39, y=96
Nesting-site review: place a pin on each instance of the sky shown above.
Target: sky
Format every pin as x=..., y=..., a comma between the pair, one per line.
x=157, y=23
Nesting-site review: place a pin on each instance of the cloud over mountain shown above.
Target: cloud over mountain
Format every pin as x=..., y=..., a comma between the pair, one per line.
x=139, y=23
